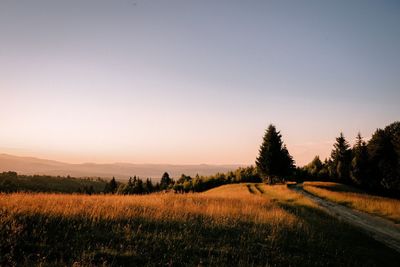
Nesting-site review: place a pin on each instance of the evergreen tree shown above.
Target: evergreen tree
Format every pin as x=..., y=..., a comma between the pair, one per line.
x=314, y=168
x=383, y=149
x=148, y=186
x=274, y=162
x=165, y=181
x=341, y=157
x=139, y=188
x=184, y=178
x=123, y=189
x=111, y=187
x=359, y=162
x=324, y=172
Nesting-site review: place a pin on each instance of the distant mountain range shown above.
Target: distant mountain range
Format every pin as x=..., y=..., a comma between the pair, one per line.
x=31, y=165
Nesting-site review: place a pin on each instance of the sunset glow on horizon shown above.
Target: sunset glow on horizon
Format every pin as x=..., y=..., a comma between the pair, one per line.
x=192, y=82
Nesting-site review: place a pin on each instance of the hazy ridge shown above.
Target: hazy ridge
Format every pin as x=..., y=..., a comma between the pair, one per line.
x=31, y=165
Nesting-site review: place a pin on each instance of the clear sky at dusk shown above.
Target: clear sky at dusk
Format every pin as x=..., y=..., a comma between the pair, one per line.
x=193, y=81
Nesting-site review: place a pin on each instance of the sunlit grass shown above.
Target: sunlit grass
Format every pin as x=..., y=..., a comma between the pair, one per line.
x=283, y=194
x=238, y=224
x=381, y=206
x=231, y=203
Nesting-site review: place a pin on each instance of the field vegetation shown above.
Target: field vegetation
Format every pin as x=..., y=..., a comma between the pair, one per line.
x=237, y=224
x=388, y=208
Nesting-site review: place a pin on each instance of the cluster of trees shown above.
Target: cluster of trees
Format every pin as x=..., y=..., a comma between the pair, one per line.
x=134, y=185
x=274, y=164
x=183, y=184
x=374, y=165
x=202, y=183
x=13, y=182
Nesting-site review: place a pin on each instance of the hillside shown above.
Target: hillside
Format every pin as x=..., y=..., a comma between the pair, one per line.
x=30, y=165
x=234, y=225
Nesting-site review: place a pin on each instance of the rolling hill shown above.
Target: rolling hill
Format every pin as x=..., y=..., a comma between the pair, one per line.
x=31, y=165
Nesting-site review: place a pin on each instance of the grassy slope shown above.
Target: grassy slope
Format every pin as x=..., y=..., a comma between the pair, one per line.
x=237, y=224
x=354, y=198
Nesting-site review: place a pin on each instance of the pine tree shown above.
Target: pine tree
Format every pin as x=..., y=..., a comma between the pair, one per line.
x=165, y=181
x=149, y=186
x=139, y=188
x=341, y=157
x=274, y=162
x=383, y=149
x=315, y=167
x=359, y=162
x=111, y=187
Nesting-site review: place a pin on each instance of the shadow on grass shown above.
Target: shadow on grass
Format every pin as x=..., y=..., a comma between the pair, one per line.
x=340, y=188
x=251, y=190
x=259, y=189
x=344, y=243
x=60, y=241
x=317, y=240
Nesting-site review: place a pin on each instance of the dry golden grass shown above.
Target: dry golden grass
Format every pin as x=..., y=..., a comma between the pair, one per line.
x=282, y=193
x=227, y=204
x=381, y=206
x=232, y=225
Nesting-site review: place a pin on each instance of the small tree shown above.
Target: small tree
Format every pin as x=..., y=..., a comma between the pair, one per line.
x=165, y=181
x=111, y=187
x=139, y=188
x=314, y=168
x=274, y=162
x=148, y=186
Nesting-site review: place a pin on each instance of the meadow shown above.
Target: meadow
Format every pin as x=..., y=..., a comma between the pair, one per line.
x=388, y=208
x=231, y=225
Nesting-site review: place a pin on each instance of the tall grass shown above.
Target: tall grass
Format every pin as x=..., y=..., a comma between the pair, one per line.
x=215, y=208
x=381, y=206
x=226, y=226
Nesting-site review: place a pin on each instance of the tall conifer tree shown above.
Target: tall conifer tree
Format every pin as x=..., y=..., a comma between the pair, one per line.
x=359, y=162
x=274, y=162
x=341, y=157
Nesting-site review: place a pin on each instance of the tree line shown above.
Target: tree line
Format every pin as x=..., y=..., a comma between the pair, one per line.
x=373, y=165
x=184, y=184
x=11, y=182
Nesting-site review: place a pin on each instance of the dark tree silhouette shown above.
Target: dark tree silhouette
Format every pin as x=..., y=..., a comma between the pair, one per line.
x=341, y=157
x=165, y=181
x=359, y=162
x=274, y=162
x=384, y=152
x=314, y=168
x=111, y=187
x=148, y=186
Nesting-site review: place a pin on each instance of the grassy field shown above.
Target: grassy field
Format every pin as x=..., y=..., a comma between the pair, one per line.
x=385, y=207
x=240, y=224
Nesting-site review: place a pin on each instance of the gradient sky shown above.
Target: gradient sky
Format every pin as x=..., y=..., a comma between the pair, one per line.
x=193, y=81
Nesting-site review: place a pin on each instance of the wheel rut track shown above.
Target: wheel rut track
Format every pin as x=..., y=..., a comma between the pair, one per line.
x=382, y=230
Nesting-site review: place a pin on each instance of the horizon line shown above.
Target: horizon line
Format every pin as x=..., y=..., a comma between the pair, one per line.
x=125, y=162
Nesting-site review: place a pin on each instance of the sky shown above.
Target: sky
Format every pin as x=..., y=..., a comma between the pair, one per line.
x=190, y=82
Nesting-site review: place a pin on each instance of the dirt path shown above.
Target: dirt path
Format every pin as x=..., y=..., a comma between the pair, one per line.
x=380, y=229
